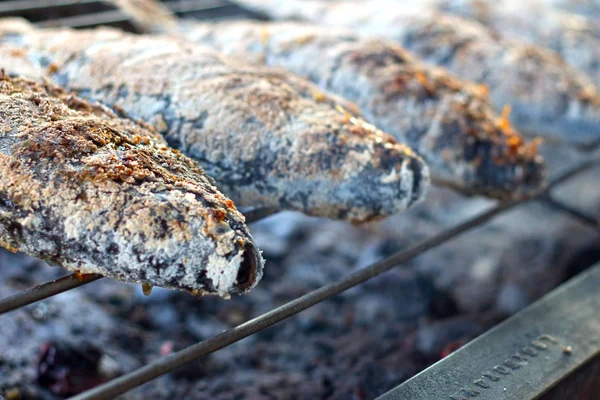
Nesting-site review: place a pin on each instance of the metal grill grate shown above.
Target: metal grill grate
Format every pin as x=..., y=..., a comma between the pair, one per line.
x=88, y=13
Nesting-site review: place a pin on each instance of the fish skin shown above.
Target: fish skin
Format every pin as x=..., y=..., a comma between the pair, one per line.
x=446, y=120
x=268, y=137
x=575, y=37
x=95, y=193
x=548, y=97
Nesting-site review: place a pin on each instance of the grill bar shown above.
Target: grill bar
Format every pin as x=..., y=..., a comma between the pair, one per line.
x=188, y=6
x=86, y=20
x=15, y=7
x=106, y=17
x=523, y=357
x=45, y=290
x=582, y=216
x=48, y=289
x=154, y=370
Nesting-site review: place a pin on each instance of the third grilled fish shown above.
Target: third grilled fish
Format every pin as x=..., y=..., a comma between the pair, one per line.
x=575, y=37
x=447, y=120
x=548, y=97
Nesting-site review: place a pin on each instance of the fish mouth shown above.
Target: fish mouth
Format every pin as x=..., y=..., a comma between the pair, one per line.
x=248, y=271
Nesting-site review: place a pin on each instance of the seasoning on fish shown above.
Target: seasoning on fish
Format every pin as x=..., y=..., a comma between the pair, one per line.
x=575, y=37
x=268, y=137
x=95, y=193
x=548, y=97
x=446, y=120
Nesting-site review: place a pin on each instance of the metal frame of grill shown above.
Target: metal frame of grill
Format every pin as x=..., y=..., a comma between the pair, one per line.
x=218, y=8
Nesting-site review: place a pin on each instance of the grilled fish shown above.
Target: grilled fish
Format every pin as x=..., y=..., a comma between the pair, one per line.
x=269, y=138
x=548, y=97
x=448, y=121
x=96, y=193
x=574, y=37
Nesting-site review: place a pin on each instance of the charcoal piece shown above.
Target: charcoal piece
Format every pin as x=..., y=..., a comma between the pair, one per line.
x=548, y=97
x=446, y=120
x=95, y=193
x=66, y=369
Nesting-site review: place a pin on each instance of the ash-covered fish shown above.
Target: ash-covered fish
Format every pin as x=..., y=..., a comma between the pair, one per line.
x=95, y=193
x=448, y=121
x=548, y=97
x=269, y=138
x=575, y=37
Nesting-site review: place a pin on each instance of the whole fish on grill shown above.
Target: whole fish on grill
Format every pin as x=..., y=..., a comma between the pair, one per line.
x=575, y=37
x=95, y=193
x=448, y=121
x=268, y=137
x=548, y=97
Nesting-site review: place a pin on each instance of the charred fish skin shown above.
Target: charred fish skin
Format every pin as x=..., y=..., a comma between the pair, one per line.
x=575, y=37
x=95, y=193
x=448, y=121
x=548, y=97
x=268, y=138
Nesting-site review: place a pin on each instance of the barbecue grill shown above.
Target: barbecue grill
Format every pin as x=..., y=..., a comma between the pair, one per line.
x=547, y=350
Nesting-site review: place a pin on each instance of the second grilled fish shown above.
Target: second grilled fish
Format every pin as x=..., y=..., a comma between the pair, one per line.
x=447, y=120
x=269, y=138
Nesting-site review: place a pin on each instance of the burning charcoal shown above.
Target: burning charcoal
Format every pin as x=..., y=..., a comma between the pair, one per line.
x=269, y=138
x=66, y=369
x=94, y=193
x=448, y=121
x=548, y=97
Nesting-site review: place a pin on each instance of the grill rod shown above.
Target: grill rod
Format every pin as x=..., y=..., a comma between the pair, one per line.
x=68, y=282
x=154, y=370
x=181, y=6
x=45, y=290
x=108, y=17
x=582, y=216
x=19, y=6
